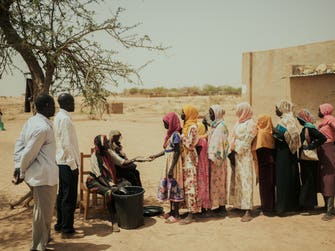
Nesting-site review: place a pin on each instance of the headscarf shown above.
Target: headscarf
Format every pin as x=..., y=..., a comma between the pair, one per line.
x=327, y=120
x=292, y=135
x=104, y=158
x=308, y=118
x=173, y=121
x=218, y=114
x=218, y=141
x=264, y=132
x=191, y=117
x=113, y=133
x=202, y=132
x=243, y=112
x=326, y=109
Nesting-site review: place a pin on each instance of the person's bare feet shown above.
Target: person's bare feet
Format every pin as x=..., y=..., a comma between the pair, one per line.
x=246, y=217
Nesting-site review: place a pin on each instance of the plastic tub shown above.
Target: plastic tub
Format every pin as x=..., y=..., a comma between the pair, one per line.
x=129, y=207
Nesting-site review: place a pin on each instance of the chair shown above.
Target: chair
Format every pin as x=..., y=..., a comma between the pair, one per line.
x=86, y=195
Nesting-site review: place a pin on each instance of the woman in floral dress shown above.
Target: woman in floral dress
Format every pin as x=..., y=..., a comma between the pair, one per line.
x=241, y=188
x=171, y=184
x=190, y=160
x=217, y=153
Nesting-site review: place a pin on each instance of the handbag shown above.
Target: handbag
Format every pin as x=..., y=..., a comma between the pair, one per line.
x=307, y=154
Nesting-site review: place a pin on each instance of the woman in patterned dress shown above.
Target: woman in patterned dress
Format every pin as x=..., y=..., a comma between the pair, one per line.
x=190, y=160
x=241, y=188
x=171, y=184
x=217, y=153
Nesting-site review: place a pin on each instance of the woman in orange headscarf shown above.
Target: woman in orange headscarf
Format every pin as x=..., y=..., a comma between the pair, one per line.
x=264, y=146
x=190, y=160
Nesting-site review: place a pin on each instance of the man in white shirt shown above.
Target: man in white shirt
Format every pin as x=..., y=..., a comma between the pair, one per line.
x=34, y=159
x=67, y=158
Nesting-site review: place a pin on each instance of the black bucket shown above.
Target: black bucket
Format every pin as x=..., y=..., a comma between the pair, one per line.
x=129, y=207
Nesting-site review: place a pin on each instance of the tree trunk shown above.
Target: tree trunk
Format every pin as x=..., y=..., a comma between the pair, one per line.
x=17, y=43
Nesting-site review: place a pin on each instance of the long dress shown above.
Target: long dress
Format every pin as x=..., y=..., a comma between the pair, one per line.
x=309, y=170
x=203, y=196
x=172, y=189
x=326, y=155
x=218, y=150
x=287, y=178
x=241, y=188
x=190, y=169
x=266, y=166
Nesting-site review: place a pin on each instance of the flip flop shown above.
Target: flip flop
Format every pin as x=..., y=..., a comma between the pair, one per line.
x=171, y=220
x=166, y=215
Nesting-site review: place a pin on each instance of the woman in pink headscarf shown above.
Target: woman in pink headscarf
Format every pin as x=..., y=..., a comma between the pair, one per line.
x=326, y=155
x=241, y=185
x=171, y=185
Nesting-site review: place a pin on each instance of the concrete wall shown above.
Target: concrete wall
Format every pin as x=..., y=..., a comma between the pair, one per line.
x=266, y=75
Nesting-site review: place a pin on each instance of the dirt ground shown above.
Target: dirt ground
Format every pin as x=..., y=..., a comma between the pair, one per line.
x=143, y=134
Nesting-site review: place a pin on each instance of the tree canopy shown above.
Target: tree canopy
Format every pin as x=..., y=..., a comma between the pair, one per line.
x=56, y=40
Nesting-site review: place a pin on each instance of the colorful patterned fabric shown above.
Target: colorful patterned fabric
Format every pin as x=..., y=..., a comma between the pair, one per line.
x=306, y=116
x=241, y=185
x=172, y=189
x=287, y=120
x=203, y=197
x=243, y=112
x=173, y=121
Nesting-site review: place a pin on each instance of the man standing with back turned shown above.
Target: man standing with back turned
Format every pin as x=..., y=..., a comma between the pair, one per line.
x=67, y=158
x=34, y=159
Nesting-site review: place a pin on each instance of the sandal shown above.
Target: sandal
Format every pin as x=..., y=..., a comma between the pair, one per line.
x=172, y=219
x=166, y=215
x=187, y=220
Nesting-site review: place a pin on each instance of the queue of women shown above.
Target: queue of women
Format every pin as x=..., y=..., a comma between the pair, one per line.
x=199, y=153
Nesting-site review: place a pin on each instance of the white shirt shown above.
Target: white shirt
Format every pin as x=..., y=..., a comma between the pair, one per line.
x=35, y=152
x=117, y=160
x=67, y=141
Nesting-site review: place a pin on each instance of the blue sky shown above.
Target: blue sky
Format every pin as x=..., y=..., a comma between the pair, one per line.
x=207, y=38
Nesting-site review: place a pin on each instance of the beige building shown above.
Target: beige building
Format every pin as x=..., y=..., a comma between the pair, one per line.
x=303, y=74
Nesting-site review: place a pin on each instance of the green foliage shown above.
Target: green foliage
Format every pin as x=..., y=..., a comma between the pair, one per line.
x=58, y=42
x=206, y=90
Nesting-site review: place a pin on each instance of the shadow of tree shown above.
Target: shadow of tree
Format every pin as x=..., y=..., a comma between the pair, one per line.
x=82, y=246
x=14, y=230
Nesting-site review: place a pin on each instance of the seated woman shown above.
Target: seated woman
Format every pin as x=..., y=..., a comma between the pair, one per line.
x=125, y=168
x=103, y=176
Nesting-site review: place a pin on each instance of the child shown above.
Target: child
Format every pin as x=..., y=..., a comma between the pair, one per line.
x=171, y=184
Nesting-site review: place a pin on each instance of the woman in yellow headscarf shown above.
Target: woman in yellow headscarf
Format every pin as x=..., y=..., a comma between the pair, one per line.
x=264, y=146
x=190, y=160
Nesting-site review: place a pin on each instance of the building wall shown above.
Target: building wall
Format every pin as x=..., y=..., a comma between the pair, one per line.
x=266, y=75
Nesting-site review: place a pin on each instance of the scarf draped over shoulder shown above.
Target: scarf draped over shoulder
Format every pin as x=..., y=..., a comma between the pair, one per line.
x=218, y=140
x=104, y=159
x=292, y=134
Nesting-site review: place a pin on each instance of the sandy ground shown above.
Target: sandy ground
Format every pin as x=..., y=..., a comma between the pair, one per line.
x=143, y=133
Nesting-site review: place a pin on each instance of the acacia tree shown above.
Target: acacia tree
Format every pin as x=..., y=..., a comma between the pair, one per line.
x=55, y=38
